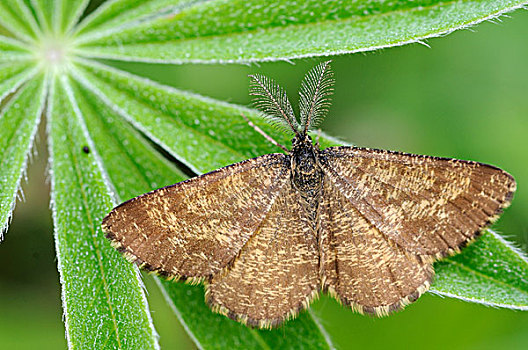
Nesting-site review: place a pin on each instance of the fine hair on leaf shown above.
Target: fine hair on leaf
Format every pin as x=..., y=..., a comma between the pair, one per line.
x=272, y=99
x=314, y=95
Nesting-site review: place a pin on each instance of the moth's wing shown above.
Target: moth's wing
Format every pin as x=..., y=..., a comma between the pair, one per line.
x=427, y=205
x=276, y=273
x=195, y=228
x=361, y=266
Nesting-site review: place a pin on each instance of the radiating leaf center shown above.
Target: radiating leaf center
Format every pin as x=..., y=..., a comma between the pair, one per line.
x=53, y=53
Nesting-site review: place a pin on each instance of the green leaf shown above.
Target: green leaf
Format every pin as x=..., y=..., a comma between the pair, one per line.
x=251, y=30
x=44, y=12
x=13, y=50
x=17, y=18
x=18, y=125
x=123, y=13
x=134, y=168
x=490, y=271
x=104, y=304
x=132, y=164
x=14, y=74
x=58, y=16
x=68, y=13
x=102, y=294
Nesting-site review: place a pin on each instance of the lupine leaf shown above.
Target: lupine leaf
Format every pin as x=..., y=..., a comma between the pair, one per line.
x=68, y=13
x=214, y=331
x=12, y=50
x=17, y=18
x=251, y=30
x=122, y=13
x=490, y=271
x=93, y=152
x=102, y=294
x=18, y=126
x=14, y=74
x=44, y=12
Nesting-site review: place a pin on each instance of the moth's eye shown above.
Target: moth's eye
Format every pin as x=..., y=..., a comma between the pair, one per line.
x=294, y=140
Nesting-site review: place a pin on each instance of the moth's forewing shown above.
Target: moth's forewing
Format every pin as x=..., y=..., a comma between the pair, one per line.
x=362, y=267
x=195, y=228
x=429, y=206
x=276, y=273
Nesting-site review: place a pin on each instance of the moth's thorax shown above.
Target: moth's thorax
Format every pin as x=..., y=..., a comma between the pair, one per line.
x=307, y=175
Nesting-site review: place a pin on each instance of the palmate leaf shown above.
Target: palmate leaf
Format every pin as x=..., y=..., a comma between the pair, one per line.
x=14, y=74
x=16, y=17
x=67, y=14
x=199, y=132
x=58, y=16
x=98, y=118
x=13, y=50
x=122, y=13
x=45, y=13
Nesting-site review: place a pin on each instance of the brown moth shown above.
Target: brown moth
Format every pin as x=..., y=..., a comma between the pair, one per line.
x=268, y=234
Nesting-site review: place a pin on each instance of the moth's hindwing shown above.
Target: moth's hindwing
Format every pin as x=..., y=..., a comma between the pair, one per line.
x=276, y=273
x=362, y=267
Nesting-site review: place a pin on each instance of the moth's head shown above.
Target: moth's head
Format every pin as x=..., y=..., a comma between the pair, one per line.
x=301, y=140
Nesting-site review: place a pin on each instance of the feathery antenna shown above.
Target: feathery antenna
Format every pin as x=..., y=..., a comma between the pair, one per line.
x=315, y=92
x=271, y=99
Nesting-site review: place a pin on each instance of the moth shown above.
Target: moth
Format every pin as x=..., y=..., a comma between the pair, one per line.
x=268, y=234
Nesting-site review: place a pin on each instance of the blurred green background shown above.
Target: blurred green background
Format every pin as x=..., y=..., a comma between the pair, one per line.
x=465, y=97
